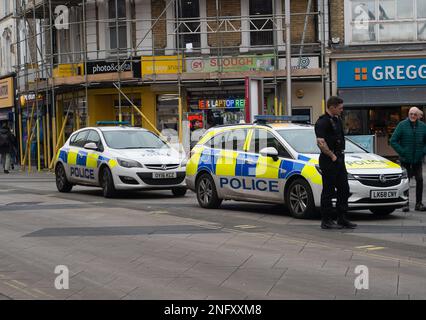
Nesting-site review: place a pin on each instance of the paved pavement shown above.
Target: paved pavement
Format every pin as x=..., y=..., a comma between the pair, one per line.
x=150, y=245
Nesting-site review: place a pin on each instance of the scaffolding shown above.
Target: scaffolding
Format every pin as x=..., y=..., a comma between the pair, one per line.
x=47, y=42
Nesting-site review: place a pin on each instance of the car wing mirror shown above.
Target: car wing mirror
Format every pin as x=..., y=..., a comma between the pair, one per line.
x=270, y=152
x=91, y=146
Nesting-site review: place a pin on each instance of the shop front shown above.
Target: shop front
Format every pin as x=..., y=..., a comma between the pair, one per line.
x=7, y=101
x=378, y=95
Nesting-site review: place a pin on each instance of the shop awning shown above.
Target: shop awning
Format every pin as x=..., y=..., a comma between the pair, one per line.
x=370, y=97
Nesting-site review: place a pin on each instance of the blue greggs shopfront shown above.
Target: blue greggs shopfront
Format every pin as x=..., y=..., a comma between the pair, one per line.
x=378, y=95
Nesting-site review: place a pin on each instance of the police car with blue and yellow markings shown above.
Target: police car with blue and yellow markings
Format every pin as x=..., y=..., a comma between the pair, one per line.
x=278, y=163
x=119, y=158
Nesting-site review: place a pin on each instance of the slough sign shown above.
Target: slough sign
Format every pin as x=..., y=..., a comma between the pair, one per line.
x=381, y=73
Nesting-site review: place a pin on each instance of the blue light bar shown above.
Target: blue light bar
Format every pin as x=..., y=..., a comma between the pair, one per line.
x=115, y=123
x=270, y=118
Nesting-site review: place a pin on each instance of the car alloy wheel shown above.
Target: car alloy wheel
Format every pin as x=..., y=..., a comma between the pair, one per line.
x=298, y=199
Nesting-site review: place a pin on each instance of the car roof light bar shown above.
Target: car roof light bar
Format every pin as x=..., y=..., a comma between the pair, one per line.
x=261, y=119
x=112, y=123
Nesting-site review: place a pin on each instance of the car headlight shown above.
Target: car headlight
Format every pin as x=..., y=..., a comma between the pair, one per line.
x=184, y=162
x=128, y=163
x=404, y=174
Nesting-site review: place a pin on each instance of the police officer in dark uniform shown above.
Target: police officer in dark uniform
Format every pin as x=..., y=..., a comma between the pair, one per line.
x=331, y=141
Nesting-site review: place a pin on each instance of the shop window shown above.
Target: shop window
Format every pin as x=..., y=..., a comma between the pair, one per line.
x=117, y=25
x=302, y=112
x=189, y=24
x=264, y=139
x=261, y=26
x=386, y=21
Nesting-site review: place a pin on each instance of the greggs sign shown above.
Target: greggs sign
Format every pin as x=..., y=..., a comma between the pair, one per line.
x=381, y=73
x=6, y=93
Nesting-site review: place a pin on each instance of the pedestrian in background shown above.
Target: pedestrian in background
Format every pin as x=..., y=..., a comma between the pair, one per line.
x=409, y=141
x=6, y=145
x=331, y=141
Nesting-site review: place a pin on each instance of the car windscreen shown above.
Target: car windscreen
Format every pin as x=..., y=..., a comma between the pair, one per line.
x=305, y=141
x=133, y=139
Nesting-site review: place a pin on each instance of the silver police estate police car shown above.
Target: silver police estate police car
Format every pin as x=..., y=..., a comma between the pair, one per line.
x=278, y=163
x=119, y=158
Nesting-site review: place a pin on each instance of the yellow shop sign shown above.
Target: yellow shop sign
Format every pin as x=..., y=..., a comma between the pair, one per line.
x=161, y=64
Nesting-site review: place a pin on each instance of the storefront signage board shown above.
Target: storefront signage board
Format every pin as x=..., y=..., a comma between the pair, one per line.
x=6, y=93
x=161, y=64
x=240, y=63
x=221, y=103
x=68, y=70
x=381, y=73
x=99, y=67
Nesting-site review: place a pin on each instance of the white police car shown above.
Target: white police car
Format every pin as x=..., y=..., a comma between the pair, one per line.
x=278, y=163
x=119, y=158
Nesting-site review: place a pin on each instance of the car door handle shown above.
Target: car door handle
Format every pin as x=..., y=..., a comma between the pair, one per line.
x=249, y=162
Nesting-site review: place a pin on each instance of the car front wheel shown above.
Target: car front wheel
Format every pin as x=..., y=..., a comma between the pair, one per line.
x=62, y=183
x=107, y=183
x=206, y=192
x=299, y=199
x=179, y=192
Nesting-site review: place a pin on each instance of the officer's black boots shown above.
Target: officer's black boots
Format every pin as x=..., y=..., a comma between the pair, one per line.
x=330, y=224
x=342, y=221
x=420, y=207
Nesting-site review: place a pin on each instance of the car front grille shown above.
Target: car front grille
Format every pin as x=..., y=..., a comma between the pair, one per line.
x=373, y=180
x=161, y=166
x=146, y=177
x=378, y=201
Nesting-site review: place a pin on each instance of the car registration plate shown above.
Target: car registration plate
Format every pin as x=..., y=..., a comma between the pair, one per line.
x=163, y=175
x=388, y=194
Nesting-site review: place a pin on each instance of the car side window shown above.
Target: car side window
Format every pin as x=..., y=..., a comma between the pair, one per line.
x=264, y=139
x=95, y=138
x=236, y=140
x=80, y=139
x=218, y=141
x=229, y=140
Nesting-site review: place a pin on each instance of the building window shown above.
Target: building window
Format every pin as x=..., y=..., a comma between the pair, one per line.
x=385, y=21
x=117, y=25
x=189, y=24
x=261, y=26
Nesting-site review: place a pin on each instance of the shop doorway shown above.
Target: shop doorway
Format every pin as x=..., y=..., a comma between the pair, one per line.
x=128, y=113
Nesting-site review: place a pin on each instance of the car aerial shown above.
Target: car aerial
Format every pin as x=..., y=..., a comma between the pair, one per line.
x=278, y=163
x=119, y=158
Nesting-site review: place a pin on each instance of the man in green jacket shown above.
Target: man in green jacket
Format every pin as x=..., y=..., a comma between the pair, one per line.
x=409, y=141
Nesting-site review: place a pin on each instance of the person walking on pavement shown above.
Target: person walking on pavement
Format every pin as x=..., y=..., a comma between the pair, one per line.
x=6, y=145
x=409, y=141
x=331, y=141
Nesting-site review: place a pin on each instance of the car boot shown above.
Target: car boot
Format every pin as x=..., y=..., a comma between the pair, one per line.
x=345, y=223
x=420, y=207
x=329, y=224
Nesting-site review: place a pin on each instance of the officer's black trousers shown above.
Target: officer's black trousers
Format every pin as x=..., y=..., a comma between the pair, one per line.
x=416, y=170
x=334, y=185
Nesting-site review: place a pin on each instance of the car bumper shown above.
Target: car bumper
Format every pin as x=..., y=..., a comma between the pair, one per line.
x=141, y=178
x=360, y=195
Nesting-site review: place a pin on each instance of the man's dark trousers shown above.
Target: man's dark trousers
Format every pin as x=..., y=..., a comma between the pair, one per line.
x=416, y=170
x=334, y=176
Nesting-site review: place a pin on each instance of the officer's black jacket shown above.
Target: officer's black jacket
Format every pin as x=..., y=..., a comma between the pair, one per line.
x=331, y=130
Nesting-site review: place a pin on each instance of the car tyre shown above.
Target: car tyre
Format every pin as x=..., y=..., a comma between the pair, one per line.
x=382, y=211
x=179, y=192
x=62, y=182
x=206, y=192
x=107, y=183
x=300, y=200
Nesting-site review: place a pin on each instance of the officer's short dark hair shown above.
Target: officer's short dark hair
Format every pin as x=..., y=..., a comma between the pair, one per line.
x=334, y=101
